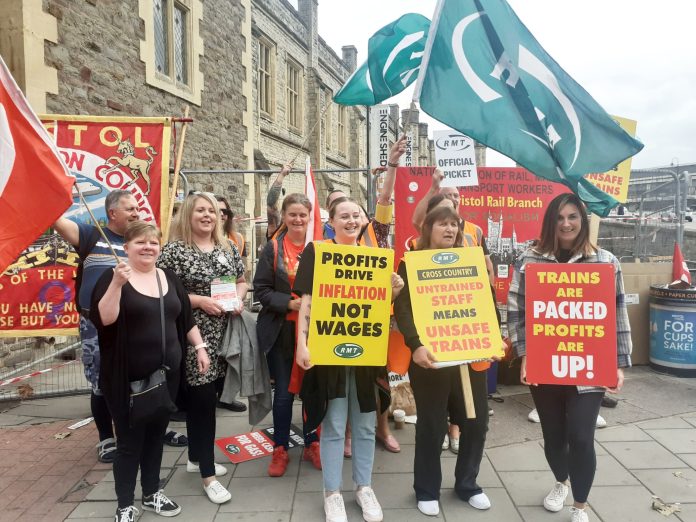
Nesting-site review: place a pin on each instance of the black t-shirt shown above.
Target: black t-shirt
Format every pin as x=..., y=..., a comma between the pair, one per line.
x=304, y=280
x=144, y=336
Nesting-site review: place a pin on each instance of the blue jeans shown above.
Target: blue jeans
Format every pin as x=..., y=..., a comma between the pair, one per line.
x=280, y=359
x=333, y=431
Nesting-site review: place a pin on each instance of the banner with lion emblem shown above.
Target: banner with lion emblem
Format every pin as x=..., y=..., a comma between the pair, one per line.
x=104, y=154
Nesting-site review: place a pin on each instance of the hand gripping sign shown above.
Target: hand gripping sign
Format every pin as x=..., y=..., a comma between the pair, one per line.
x=349, y=321
x=571, y=324
x=452, y=304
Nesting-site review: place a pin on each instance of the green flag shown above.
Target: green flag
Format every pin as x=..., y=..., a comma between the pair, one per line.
x=393, y=58
x=484, y=74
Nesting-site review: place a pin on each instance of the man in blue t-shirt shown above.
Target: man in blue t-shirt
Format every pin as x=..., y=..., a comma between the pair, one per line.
x=121, y=209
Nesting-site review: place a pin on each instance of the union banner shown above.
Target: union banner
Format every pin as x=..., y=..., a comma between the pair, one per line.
x=104, y=154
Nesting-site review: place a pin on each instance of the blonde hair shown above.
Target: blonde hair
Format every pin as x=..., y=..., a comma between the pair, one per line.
x=184, y=232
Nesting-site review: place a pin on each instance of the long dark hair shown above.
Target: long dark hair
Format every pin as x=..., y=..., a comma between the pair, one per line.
x=228, y=227
x=548, y=241
x=432, y=217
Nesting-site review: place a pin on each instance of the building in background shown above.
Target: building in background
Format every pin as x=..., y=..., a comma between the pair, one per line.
x=657, y=188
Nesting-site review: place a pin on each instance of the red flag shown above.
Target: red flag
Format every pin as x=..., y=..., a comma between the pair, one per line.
x=35, y=185
x=680, y=271
x=314, y=229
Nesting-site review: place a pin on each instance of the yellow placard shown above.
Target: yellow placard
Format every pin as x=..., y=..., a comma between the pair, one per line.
x=615, y=182
x=351, y=300
x=452, y=303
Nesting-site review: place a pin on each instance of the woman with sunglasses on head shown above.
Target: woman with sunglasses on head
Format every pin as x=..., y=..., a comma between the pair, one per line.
x=200, y=256
x=439, y=391
x=228, y=226
x=567, y=413
x=333, y=394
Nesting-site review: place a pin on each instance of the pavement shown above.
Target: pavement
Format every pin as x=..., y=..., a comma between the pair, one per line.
x=648, y=449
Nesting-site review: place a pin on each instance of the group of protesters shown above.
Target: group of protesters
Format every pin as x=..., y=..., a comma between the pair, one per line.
x=152, y=309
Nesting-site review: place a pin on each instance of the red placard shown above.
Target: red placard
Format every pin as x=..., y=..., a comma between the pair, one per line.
x=254, y=444
x=571, y=324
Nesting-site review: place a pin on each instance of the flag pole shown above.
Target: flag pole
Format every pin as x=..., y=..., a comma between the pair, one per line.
x=96, y=223
x=177, y=168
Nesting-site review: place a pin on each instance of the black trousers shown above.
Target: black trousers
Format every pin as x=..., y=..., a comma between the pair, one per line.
x=436, y=392
x=200, y=426
x=568, y=420
x=138, y=447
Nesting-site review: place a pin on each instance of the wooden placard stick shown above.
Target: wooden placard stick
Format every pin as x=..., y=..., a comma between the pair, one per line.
x=177, y=167
x=467, y=391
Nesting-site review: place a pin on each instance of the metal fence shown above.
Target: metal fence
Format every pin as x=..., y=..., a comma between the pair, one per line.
x=37, y=367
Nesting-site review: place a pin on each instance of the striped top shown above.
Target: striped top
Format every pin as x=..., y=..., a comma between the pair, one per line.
x=516, y=305
x=99, y=259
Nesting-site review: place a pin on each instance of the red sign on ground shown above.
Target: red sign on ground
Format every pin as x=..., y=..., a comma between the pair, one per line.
x=254, y=445
x=571, y=324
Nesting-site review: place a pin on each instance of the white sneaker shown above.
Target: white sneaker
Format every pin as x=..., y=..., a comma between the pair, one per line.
x=366, y=499
x=192, y=467
x=454, y=445
x=556, y=497
x=533, y=416
x=217, y=493
x=430, y=508
x=445, y=443
x=480, y=501
x=334, y=508
x=601, y=423
x=578, y=515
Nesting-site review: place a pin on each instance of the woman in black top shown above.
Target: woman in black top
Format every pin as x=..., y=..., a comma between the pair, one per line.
x=126, y=311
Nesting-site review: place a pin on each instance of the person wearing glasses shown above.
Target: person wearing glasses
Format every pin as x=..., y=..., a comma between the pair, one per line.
x=200, y=257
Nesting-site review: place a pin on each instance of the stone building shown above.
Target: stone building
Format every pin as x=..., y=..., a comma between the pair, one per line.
x=257, y=77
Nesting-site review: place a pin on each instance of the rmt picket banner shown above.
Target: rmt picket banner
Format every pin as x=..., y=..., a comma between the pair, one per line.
x=570, y=314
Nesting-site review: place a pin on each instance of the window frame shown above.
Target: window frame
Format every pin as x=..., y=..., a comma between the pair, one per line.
x=295, y=123
x=341, y=129
x=266, y=94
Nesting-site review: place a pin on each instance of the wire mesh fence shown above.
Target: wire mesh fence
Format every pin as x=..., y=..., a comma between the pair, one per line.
x=36, y=367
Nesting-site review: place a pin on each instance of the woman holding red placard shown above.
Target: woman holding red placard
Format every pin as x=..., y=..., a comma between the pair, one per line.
x=567, y=413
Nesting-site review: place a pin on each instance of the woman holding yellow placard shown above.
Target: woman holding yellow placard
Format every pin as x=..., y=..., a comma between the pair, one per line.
x=438, y=391
x=567, y=413
x=332, y=394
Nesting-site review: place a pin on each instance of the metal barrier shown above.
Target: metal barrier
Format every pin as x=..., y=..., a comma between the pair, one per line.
x=38, y=367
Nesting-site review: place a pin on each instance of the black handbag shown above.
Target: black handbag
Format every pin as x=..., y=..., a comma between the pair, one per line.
x=150, y=397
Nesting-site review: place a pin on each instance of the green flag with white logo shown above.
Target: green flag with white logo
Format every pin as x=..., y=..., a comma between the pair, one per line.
x=393, y=58
x=485, y=75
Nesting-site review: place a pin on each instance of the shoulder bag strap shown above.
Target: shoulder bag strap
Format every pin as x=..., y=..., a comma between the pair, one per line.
x=161, y=303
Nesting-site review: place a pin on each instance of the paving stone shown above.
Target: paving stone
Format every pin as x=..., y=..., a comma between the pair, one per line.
x=643, y=455
x=94, y=510
x=394, y=490
x=10, y=419
x=249, y=494
x=193, y=509
x=628, y=433
x=518, y=457
x=690, y=420
x=689, y=458
x=611, y=473
x=687, y=513
x=407, y=435
x=664, y=423
x=386, y=462
x=309, y=479
x=671, y=485
x=528, y=488
x=501, y=509
x=181, y=483
x=539, y=514
x=624, y=504
x=309, y=507
x=259, y=516
x=676, y=440
x=407, y=515
x=487, y=477
x=105, y=491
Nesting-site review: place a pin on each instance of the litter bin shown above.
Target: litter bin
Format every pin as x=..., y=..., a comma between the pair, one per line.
x=672, y=336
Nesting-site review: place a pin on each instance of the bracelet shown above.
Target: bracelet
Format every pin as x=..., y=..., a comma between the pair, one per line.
x=395, y=165
x=199, y=346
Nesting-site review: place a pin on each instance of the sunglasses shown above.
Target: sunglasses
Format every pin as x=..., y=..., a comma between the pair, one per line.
x=226, y=212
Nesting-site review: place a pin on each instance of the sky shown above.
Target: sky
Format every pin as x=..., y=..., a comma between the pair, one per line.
x=636, y=58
